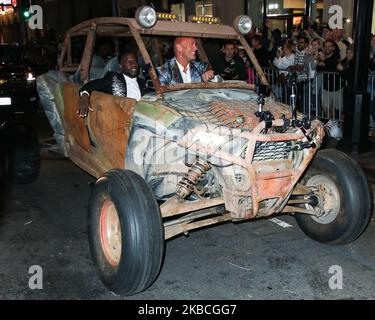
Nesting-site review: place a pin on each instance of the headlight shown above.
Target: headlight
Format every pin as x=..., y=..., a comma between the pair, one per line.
x=30, y=76
x=146, y=17
x=243, y=24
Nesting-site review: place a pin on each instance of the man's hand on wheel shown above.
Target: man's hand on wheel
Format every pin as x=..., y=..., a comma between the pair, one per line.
x=208, y=75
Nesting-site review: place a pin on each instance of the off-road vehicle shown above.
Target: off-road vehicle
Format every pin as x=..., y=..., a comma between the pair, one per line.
x=192, y=155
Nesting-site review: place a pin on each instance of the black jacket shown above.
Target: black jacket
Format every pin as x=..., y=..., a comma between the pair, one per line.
x=235, y=65
x=332, y=81
x=113, y=83
x=262, y=56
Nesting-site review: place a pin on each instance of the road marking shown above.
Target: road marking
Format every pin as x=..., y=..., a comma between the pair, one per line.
x=235, y=265
x=280, y=223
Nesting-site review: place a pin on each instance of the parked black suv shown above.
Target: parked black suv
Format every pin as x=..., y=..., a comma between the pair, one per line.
x=20, y=152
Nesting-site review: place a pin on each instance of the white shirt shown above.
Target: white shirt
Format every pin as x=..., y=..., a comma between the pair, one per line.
x=132, y=88
x=186, y=78
x=283, y=63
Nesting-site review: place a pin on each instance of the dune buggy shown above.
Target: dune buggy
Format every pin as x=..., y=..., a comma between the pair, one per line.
x=192, y=155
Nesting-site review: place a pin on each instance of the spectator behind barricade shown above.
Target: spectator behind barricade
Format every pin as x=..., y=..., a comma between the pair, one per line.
x=229, y=65
x=316, y=44
x=326, y=32
x=337, y=37
x=312, y=30
x=301, y=67
x=249, y=71
x=332, y=86
x=283, y=60
x=274, y=38
x=346, y=69
x=260, y=52
x=315, y=79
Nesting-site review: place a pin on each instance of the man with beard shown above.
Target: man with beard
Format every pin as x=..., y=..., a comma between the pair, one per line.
x=184, y=68
x=332, y=93
x=124, y=84
x=301, y=63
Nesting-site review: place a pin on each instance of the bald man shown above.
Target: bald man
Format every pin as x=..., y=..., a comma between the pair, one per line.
x=184, y=68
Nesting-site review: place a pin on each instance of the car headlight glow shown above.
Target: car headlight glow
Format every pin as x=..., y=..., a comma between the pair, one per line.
x=243, y=24
x=30, y=77
x=146, y=16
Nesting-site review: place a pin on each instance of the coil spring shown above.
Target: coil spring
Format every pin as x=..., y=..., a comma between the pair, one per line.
x=186, y=186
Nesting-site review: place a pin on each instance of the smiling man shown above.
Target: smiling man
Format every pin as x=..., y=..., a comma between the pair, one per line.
x=184, y=68
x=124, y=84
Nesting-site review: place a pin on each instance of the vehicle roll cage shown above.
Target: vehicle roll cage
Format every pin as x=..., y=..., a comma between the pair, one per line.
x=128, y=27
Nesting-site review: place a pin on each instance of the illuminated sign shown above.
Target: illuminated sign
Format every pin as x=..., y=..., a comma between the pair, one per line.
x=12, y=3
x=7, y=6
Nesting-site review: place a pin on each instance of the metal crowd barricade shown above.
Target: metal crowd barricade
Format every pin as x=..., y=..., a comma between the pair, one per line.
x=322, y=94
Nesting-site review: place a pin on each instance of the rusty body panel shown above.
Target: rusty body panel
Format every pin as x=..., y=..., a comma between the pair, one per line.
x=99, y=143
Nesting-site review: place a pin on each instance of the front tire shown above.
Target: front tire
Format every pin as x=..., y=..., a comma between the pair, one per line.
x=344, y=199
x=125, y=230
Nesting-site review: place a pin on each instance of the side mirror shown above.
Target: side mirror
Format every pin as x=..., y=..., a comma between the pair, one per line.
x=264, y=90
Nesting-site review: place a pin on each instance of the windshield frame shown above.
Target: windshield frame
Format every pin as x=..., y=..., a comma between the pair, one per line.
x=125, y=27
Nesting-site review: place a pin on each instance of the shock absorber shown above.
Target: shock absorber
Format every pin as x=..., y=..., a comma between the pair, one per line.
x=186, y=186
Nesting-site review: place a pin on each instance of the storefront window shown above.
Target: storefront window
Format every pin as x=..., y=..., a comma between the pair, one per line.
x=179, y=10
x=317, y=7
x=203, y=8
x=285, y=7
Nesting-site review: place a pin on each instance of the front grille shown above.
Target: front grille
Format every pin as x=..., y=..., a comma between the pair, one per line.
x=270, y=151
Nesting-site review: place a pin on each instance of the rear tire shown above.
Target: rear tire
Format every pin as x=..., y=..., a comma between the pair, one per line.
x=126, y=233
x=345, y=199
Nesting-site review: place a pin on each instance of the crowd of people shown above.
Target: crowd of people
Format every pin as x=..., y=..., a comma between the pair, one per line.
x=321, y=59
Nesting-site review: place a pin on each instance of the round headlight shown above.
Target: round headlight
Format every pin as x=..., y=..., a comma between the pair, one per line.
x=243, y=24
x=146, y=17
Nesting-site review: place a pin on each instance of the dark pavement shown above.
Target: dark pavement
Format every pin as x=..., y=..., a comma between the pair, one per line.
x=44, y=223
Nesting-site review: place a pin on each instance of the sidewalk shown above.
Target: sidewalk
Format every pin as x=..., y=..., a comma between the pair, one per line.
x=367, y=160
